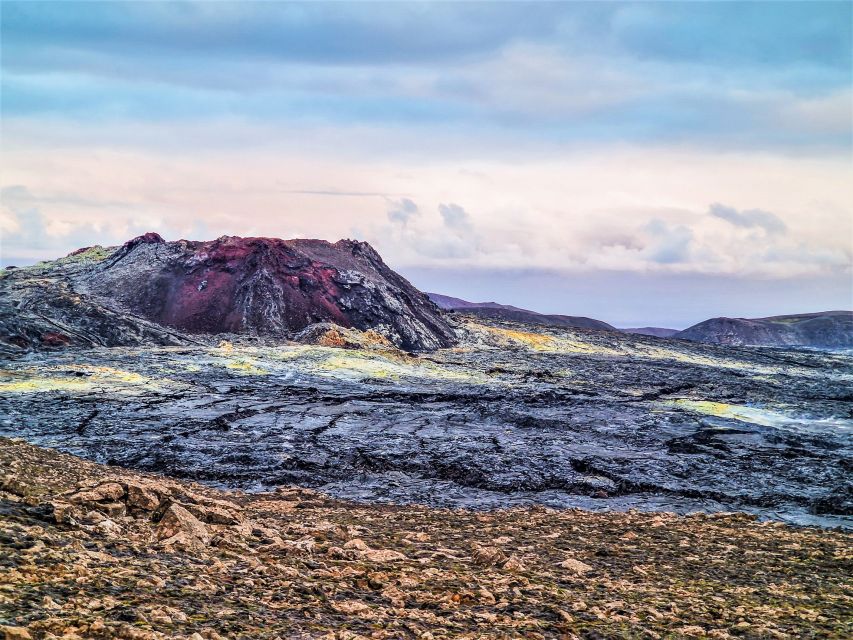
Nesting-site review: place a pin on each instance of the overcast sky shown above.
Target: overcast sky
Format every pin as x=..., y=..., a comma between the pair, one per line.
x=642, y=163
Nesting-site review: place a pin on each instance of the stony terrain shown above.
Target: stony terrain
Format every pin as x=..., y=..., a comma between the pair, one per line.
x=88, y=551
x=152, y=292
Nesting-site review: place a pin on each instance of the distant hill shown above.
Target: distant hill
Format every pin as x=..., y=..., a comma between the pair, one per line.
x=657, y=332
x=516, y=314
x=449, y=302
x=829, y=329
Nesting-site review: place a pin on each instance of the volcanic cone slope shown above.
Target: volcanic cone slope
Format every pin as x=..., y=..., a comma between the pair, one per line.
x=257, y=286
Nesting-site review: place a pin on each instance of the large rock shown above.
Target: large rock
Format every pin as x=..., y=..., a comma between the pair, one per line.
x=178, y=523
x=106, y=492
x=15, y=633
x=145, y=498
x=152, y=291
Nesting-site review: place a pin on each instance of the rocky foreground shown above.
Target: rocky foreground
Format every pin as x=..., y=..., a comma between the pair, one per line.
x=90, y=551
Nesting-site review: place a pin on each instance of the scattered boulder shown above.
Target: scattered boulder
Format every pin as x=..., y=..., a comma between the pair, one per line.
x=178, y=522
x=63, y=512
x=514, y=563
x=358, y=544
x=487, y=556
x=15, y=633
x=109, y=526
x=382, y=555
x=106, y=492
x=111, y=509
x=213, y=514
x=14, y=485
x=487, y=597
x=142, y=497
x=575, y=567
x=303, y=546
x=329, y=334
x=350, y=607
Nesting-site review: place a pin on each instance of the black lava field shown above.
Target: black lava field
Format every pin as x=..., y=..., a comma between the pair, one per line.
x=514, y=415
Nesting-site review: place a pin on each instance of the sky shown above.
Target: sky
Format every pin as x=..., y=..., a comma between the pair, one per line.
x=641, y=163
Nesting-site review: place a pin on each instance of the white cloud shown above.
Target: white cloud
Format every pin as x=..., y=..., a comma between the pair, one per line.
x=401, y=210
x=564, y=208
x=668, y=244
x=749, y=218
x=454, y=216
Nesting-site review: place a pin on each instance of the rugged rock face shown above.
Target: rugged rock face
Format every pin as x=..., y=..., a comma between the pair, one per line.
x=829, y=329
x=152, y=291
x=495, y=311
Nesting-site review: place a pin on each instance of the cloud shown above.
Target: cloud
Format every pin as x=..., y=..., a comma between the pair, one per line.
x=575, y=210
x=741, y=33
x=454, y=216
x=668, y=244
x=401, y=211
x=770, y=76
x=750, y=218
x=30, y=234
x=350, y=34
x=717, y=34
x=414, y=234
x=32, y=229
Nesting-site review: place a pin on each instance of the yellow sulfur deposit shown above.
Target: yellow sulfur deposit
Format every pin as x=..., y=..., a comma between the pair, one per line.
x=76, y=378
x=246, y=365
x=753, y=415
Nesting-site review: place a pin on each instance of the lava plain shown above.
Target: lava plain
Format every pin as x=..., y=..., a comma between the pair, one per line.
x=515, y=415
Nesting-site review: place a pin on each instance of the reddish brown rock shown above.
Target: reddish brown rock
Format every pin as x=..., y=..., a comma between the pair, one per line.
x=487, y=556
x=15, y=633
x=107, y=492
x=141, y=497
x=177, y=521
x=268, y=286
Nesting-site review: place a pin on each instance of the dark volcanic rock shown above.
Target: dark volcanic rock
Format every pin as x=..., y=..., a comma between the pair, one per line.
x=41, y=309
x=519, y=415
x=829, y=329
x=149, y=291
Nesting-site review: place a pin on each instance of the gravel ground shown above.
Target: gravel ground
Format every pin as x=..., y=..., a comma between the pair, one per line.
x=90, y=551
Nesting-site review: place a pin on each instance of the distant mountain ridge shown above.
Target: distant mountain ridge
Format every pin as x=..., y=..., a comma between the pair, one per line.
x=657, y=332
x=497, y=311
x=449, y=302
x=827, y=329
